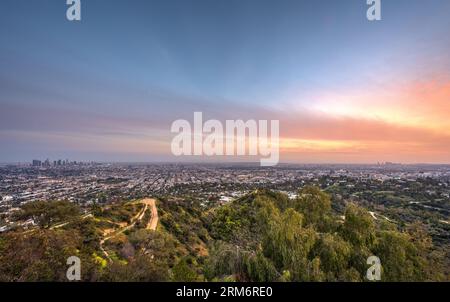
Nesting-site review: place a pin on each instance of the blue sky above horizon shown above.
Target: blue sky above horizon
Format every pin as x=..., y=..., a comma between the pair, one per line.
x=108, y=87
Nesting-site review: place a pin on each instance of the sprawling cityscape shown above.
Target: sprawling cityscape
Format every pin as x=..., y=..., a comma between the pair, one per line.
x=383, y=187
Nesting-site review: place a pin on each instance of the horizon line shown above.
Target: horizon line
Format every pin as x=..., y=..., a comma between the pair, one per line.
x=240, y=163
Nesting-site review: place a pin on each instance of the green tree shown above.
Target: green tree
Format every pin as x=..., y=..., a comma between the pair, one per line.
x=224, y=260
x=334, y=254
x=47, y=213
x=42, y=256
x=260, y=269
x=359, y=227
x=288, y=245
x=226, y=222
x=142, y=268
x=397, y=255
x=314, y=204
x=181, y=272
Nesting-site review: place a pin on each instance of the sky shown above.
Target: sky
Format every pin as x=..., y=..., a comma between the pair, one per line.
x=108, y=88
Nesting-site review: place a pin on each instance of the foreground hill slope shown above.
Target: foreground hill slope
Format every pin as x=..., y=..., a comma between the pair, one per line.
x=263, y=236
x=266, y=236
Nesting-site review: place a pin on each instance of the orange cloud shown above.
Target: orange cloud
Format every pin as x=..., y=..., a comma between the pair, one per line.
x=407, y=122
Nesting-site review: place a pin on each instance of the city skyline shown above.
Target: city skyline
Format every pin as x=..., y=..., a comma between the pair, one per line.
x=107, y=89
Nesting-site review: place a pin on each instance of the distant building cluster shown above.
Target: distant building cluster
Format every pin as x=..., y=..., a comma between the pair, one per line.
x=55, y=163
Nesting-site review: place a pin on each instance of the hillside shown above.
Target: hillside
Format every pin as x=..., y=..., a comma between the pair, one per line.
x=263, y=236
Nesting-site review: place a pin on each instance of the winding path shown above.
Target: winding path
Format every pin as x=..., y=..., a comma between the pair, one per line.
x=152, y=224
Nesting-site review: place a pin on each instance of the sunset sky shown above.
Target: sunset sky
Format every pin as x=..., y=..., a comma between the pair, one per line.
x=108, y=88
